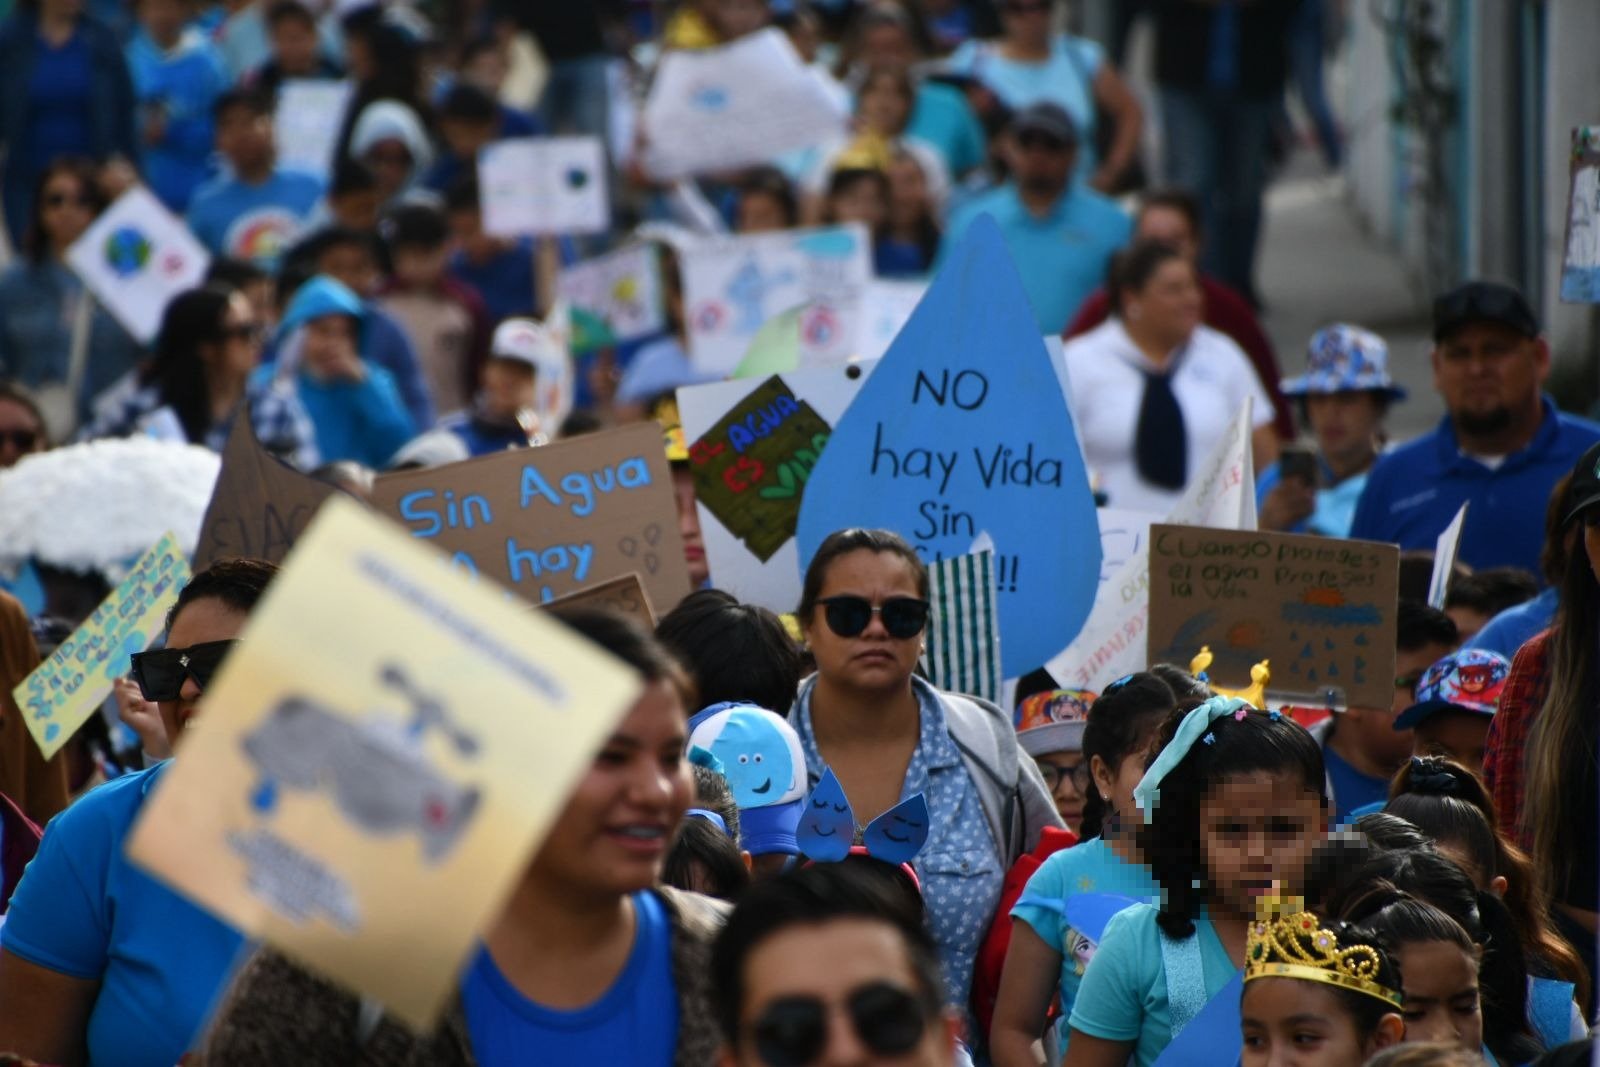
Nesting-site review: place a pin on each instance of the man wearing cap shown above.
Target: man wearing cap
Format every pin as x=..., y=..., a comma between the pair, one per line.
x=1501, y=446
x=1344, y=395
x=1061, y=233
x=1456, y=701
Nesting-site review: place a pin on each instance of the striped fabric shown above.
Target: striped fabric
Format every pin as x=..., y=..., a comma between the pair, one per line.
x=962, y=646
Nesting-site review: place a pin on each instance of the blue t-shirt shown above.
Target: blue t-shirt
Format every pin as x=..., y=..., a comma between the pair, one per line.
x=255, y=223
x=1335, y=507
x=1124, y=992
x=58, y=104
x=504, y=281
x=182, y=84
x=1065, y=78
x=1091, y=867
x=941, y=117
x=1513, y=627
x=1062, y=257
x=633, y=1022
x=84, y=911
x=1351, y=788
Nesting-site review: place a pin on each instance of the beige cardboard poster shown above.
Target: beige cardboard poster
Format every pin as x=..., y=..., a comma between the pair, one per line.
x=377, y=761
x=260, y=504
x=1321, y=610
x=551, y=520
x=625, y=595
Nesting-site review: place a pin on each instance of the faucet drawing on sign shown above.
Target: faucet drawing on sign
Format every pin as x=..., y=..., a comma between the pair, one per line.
x=375, y=767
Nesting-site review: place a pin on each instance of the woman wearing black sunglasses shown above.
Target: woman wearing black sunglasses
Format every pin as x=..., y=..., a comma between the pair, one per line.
x=888, y=734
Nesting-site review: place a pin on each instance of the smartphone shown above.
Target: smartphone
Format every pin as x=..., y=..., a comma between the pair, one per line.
x=1298, y=461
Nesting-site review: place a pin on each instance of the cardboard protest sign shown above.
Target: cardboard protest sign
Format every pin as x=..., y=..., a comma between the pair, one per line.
x=1111, y=644
x=625, y=595
x=551, y=520
x=389, y=740
x=733, y=285
x=1580, y=266
x=1445, y=550
x=772, y=581
x=1320, y=609
x=135, y=258
x=534, y=185
x=949, y=440
x=307, y=120
x=743, y=103
x=65, y=690
x=961, y=646
x=622, y=288
x=260, y=505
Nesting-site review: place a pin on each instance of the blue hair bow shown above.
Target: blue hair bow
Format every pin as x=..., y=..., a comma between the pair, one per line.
x=1195, y=725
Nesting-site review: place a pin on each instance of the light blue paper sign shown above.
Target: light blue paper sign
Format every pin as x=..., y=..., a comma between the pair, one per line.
x=963, y=429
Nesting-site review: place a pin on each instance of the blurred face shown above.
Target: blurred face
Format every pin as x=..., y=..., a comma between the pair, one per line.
x=1117, y=783
x=908, y=190
x=330, y=342
x=163, y=19
x=1408, y=668
x=761, y=212
x=1067, y=775
x=245, y=138
x=65, y=209
x=1489, y=376
x=418, y=267
x=295, y=44
x=736, y=18
x=357, y=209
x=351, y=265
x=1025, y=21
x=1170, y=226
x=1345, y=424
x=819, y=968
x=1457, y=735
x=1170, y=305
x=1258, y=829
x=239, y=351
x=358, y=58
x=1292, y=1023
x=883, y=107
x=1441, y=994
x=1042, y=164
x=391, y=162
x=464, y=138
x=200, y=622
x=615, y=831
x=860, y=201
x=20, y=433
x=486, y=69
x=887, y=46
x=694, y=549
x=508, y=387
x=873, y=660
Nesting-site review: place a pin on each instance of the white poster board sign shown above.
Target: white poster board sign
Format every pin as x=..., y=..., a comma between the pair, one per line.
x=1445, y=550
x=135, y=258
x=544, y=185
x=885, y=307
x=623, y=288
x=307, y=121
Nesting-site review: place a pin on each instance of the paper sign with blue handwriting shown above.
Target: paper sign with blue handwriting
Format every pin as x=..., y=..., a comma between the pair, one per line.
x=963, y=429
x=552, y=520
x=389, y=741
x=66, y=689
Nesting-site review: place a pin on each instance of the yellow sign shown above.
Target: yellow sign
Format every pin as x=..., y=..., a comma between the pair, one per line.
x=66, y=689
x=377, y=761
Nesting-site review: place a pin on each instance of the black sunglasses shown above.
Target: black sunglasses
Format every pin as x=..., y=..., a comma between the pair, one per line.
x=244, y=331
x=848, y=616
x=21, y=440
x=62, y=199
x=161, y=673
x=793, y=1031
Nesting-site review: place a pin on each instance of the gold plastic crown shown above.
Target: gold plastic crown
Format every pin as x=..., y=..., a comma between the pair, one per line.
x=1289, y=942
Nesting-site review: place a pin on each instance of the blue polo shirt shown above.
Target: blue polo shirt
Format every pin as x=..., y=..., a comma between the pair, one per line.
x=1062, y=257
x=1414, y=491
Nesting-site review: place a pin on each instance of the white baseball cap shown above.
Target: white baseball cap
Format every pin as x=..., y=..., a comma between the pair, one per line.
x=530, y=342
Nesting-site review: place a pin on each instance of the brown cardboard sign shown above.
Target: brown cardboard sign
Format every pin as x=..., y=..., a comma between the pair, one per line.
x=260, y=505
x=549, y=521
x=625, y=596
x=1321, y=610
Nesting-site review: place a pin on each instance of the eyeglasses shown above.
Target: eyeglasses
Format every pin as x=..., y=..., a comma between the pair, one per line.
x=21, y=440
x=848, y=616
x=161, y=673
x=793, y=1031
x=244, y=331
x=1055, y=773
x=63, y=199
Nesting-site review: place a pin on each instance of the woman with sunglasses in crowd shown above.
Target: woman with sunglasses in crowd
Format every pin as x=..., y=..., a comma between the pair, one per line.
x=889, y=735
x=193, y=387
x=99, y=962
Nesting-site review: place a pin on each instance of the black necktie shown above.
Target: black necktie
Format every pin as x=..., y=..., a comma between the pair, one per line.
x=1160, y=447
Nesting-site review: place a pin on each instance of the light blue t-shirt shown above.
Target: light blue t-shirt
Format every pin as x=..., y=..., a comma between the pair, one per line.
x=1352, y=790
x=1062, y=257
x=1092, y=867
x=1335, y=507
x=255, y=223
x=1124, y=992
x=84, y=911
x=1065, y=78
x=634, y=1022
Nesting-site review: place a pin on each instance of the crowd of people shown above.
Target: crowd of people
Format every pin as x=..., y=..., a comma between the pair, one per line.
x=1156, y=869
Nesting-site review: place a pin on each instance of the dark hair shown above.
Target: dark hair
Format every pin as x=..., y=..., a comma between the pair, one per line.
x=770, y=181
x=416, y=226
x=703, y=859
x=1366, y=1011
x=713, y=793
x=238, y=583
x=1416, y=573
x=855, y=539
x=1389, y=919
x=34, y=242
x=1174, y=198
x=254, y=100
x=18, y=394
x=846, y=178
x=1190, y=691
x=235, y=273
x=736, y=652
x=901, y=80
x=1557, y=538
x=1132, y=268
x=352, y=176
x=1417, y=626
x=811, y=896
x=194, y=318
x=1388, y=831
x=1172, y=842
x=1492, y=590
x=624, y=638
x=289, y=11
x=465, y=102
x=463, y=195
x=1119, y=726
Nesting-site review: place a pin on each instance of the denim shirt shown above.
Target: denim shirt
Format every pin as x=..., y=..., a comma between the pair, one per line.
x=37, y=303
x=960, y=866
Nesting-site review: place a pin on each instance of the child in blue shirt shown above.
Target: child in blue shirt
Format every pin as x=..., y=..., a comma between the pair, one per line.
x=1232, y=806
x=177, y=76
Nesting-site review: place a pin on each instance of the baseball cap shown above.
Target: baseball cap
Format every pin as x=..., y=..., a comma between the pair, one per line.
x=1345, y=359
x=1468, y=680
x=1483, y=302
x=527, y=341
x=1048, y=119
x=1053, y=721
x=1584, y=489
x=765, y=766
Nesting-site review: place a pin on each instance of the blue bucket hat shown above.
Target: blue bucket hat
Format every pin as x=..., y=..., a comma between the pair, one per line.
x=1345, y=359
